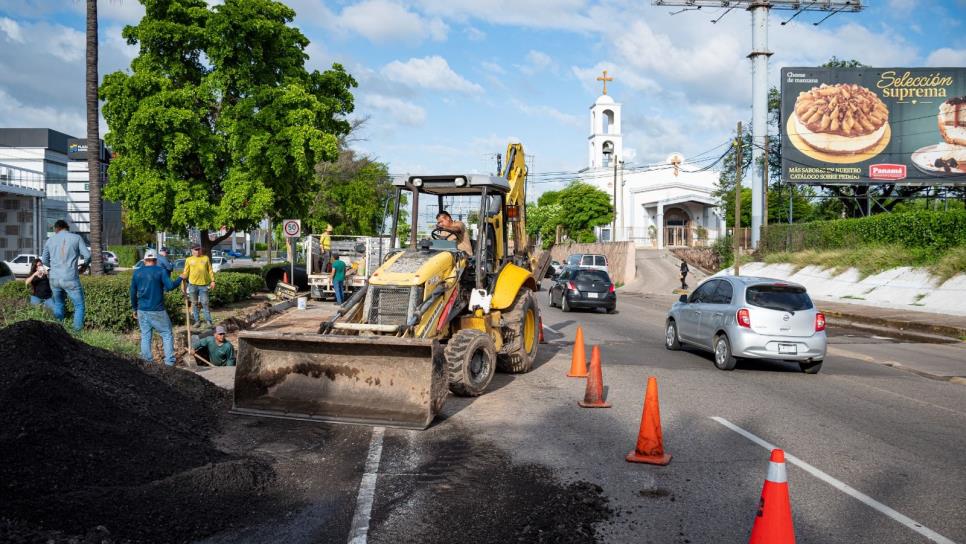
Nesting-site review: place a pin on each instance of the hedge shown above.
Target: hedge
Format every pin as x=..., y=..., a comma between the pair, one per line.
x=930, y=230
x=127, y=256
x=108, y=303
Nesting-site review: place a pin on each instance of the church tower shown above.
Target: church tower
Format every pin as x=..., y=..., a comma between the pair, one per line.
x=604, y=143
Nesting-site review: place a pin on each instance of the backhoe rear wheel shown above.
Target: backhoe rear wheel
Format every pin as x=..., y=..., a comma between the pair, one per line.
x=471, y=359
x=521, y=334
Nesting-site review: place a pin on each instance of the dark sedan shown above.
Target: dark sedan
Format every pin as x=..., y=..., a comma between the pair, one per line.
x=583, y=288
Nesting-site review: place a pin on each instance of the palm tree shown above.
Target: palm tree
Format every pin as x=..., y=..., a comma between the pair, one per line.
x=93, y=141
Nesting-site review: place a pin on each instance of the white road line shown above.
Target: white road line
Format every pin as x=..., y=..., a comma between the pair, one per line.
x=359, y=531
x=549, y=328
x=841, y=486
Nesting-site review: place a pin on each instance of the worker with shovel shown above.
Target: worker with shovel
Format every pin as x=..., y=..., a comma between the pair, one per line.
x=148, y=285
x=219, y=350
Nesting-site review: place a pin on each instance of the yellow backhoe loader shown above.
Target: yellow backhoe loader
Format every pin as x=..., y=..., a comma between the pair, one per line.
x=437, y=315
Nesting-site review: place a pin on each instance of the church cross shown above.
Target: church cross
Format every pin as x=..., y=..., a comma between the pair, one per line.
x=605, y=79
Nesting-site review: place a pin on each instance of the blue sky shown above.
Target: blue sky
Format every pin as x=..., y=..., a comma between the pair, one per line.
x=446, y=83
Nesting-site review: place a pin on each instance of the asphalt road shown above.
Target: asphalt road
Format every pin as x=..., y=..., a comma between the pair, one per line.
x=509, y=465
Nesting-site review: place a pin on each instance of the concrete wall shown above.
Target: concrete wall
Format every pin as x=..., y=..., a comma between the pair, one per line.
x=620, y=255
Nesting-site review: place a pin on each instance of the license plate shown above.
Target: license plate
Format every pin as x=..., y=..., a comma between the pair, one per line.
x=591, y=295
x=787, y=348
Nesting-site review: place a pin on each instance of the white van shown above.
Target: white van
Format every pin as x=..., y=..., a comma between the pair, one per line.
x=588, y=260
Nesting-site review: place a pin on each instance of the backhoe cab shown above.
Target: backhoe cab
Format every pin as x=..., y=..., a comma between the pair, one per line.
x=431, y=317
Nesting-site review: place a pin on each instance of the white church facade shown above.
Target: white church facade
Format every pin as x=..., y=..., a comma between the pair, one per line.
x=669, y=205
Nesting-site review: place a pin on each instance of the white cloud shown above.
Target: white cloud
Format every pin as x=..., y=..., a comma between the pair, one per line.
x=947, y=57
x=404, y=113
x=11, y=30
x=562, y=14
x=624, y=78
x=68, y=45
x=385, y=21
x=902, y=6
x=429, y=73
x=14, y=113
x=536, y=61
x=474, y=34
x=549, y=112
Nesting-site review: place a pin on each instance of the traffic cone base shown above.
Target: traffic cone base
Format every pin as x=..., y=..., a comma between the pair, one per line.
x=594, y=394
x=578, y=361
x=634, y=457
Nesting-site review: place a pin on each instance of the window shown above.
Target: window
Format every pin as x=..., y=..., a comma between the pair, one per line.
x=573, y=260
x=704, y=292
x=21, y=259
x=600, y=260
x=588, y=260
x=565, y=275
x=723, y=294
x=592, y=275
x=781, y=297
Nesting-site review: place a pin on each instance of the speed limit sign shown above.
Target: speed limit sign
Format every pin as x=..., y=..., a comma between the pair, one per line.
x=292, y=228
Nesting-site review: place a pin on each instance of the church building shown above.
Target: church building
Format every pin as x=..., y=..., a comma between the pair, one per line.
x=663, y=205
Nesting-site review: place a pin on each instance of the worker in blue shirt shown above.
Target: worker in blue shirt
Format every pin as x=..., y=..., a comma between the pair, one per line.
x=163, y=261
x=61, y=253
x=147, y=300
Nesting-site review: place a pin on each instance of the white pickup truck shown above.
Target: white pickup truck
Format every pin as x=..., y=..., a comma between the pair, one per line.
x=348, y=249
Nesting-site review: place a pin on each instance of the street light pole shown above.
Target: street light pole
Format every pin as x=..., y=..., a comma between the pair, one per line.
x=613, y=227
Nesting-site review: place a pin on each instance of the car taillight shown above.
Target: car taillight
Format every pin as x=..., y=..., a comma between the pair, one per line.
x=611, y=288
x=819, y=322
x=571, y=286
x=744, y=318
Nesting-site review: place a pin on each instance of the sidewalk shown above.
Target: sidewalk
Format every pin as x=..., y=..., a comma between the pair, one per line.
x=950, y=326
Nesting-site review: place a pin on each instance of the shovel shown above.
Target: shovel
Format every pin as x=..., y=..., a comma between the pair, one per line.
x=187, y=320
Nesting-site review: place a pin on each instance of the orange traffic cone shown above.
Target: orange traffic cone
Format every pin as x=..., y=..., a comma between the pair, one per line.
x=650, y=444
x=285, y=278
x=540, y=336
x=773, y=524
x=578, y=361
x=594, y=395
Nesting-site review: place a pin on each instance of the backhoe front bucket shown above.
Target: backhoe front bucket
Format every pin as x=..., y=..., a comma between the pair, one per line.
x=370, y=380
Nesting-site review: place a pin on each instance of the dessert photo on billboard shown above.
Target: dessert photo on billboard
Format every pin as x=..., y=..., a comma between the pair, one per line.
x=948, y=157
x=842, y=123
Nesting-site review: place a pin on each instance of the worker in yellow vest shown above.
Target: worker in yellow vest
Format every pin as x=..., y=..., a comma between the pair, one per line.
x=325, y=245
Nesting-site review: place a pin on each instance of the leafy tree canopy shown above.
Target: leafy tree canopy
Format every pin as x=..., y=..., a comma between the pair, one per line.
x=353, y=195
x=218, y=123
x=578, y=208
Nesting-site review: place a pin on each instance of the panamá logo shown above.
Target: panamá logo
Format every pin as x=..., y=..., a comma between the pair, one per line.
x=887, y=171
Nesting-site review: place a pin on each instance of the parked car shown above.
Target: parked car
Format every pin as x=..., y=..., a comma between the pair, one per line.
x=20, y=265
x=554, y=269
x=179, y=266
x=83, y=269
x=583, y=288
x=588, y=260
x=6, y=275
x=217, y=263
x=233, y=253
x=747, y=317
x=111, y=257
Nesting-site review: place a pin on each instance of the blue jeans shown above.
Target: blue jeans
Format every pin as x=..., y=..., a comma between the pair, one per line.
x=47, y=302
x=199, y=296
x=156, y=321
x=71, y=288
x=337, y=287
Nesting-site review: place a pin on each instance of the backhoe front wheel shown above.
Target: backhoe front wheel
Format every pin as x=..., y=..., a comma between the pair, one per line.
x=471, y=360
x=521, y=334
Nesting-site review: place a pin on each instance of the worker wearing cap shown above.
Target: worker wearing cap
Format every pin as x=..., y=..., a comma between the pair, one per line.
x=199, y=278
x=148, y=285
x=325, y=246
x=163, y=261
x=220, y=351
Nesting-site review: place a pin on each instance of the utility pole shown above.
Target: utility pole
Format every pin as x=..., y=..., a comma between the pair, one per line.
x=759, y=65
x=737, y=227
x=613, y=227
x=764, y=184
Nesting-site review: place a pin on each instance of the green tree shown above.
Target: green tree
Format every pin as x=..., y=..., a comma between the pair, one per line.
x=218, y=123
x=352, y=195
x=93, y=142
x=583, y=207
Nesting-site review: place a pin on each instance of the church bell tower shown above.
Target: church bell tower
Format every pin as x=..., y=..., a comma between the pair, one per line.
x=605, y=143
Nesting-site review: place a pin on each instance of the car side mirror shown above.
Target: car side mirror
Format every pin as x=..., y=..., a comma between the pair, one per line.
x=683, y=299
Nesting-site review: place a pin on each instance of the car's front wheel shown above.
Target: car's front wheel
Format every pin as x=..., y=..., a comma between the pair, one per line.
x=564, y=305
x=671, y=340
x=811, y=367
x=723, y=358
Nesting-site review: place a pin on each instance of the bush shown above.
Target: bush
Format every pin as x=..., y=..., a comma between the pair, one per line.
x=127, y=256
x=724, y=248
x=233, y=287
x=257, y=270
x=930, y=230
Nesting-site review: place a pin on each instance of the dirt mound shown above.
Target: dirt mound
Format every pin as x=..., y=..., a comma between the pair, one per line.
x=93, y=439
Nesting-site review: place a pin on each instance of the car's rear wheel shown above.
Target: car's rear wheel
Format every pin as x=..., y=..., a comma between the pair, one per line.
x=671, y=341
x=811, y=367
x=550, y=293
x=564, y=305
x=723, y=358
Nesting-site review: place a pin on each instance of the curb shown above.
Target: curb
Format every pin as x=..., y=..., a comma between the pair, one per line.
x=961, y=380
x=948, y=331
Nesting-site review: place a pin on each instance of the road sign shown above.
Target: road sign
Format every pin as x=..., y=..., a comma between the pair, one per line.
x=292, y=228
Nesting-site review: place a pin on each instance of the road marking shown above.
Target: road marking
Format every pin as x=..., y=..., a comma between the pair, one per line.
x=841, y=486
x=549, y=328
x=359, y=531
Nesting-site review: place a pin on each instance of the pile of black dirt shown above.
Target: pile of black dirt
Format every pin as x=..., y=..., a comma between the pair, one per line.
x=95, y=443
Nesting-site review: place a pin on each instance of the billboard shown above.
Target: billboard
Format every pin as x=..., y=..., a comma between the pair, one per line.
x=77, y=149
x=874, y=125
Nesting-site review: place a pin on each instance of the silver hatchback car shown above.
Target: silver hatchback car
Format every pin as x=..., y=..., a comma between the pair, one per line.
x=747, y=317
